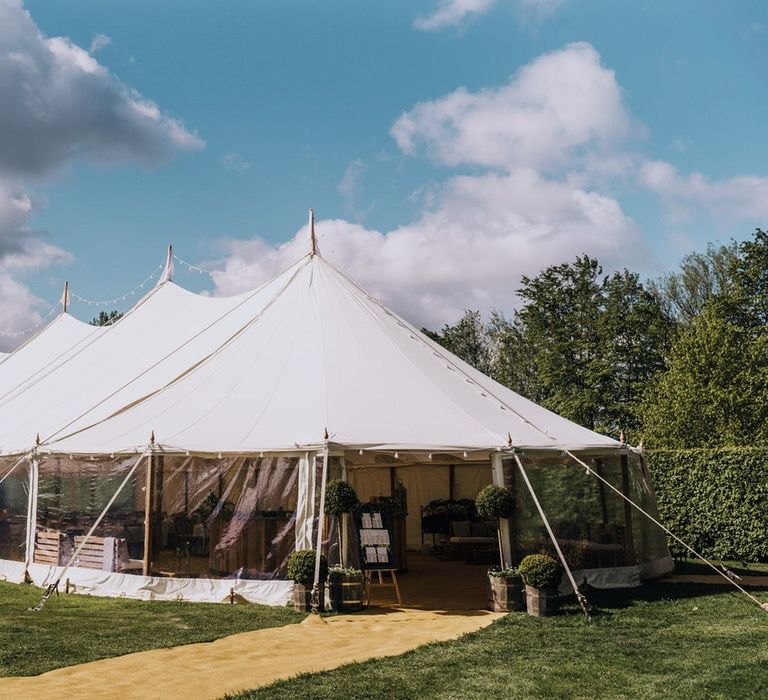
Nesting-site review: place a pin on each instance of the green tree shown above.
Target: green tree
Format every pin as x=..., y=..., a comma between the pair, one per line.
x=593, y=343
x=468, y=339
x=683, y=294
x=558, y=323
x=714, y=390
x=106, y=318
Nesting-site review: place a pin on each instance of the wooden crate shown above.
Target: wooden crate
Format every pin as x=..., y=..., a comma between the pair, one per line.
x=51, y=547
x=92, y=554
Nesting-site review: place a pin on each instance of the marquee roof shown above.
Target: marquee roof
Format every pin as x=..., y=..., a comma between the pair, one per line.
x=275, y=369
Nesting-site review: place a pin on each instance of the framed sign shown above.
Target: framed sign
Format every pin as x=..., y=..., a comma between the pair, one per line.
x=375, y=535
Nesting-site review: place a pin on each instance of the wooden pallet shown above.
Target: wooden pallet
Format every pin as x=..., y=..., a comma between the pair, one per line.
x=50, y=547
x=92, y=554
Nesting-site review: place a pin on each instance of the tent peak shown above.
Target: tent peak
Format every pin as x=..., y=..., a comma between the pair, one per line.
x=167, y=274
x=64, y=301
x=313, y=238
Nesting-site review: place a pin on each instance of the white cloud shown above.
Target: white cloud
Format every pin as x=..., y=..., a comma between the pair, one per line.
x=59, y=104
x=544, y=151
x=734, y=198
x=561, y=106
x=452, y=13
x=236, y=163
x=468, y=251
x=350, y=187
x=99, y=42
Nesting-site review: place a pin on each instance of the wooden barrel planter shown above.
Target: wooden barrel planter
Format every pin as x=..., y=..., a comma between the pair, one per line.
x=302, y=598
x=542, y=602
x=347, y=594
x=505, y=594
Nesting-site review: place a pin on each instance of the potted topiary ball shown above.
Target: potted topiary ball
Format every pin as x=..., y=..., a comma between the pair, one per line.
x=499, y=503
x=505, y=590
x=340, y=500
x=301, y=570
x=346, y=588
x=541, y=575
x=495, y=502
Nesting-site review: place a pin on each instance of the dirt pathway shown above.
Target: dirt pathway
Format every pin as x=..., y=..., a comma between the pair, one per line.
x=247, y=660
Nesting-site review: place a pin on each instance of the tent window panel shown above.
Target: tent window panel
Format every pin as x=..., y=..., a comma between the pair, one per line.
x=14, y=496
x=71, y=496
x=650, y=542
x=228, y=518
x=587, y=520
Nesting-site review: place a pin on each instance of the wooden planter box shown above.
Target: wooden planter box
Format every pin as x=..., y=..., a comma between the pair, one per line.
x=542, y=602
x=347, y=595
x=302, y=597
x=505, y=594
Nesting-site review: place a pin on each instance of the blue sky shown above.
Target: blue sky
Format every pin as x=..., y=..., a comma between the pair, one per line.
x=287, y=105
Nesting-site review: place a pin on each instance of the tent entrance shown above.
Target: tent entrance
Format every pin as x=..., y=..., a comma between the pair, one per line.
x=442, y=548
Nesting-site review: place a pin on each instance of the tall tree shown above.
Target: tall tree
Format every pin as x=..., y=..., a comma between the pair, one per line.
x=714, y=391
x=594, y=343
x=559, y=326
x=468, y=339
x=684, y=293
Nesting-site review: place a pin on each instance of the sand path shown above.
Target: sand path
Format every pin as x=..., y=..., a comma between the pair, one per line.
x=208, y=671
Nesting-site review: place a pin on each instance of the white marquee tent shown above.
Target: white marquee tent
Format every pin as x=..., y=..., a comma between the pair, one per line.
x=252, y=402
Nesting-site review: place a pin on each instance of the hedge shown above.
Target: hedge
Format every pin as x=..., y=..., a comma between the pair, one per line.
x=716, y=500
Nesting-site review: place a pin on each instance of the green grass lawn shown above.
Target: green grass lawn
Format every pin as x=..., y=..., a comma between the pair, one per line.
x=661, y=641
x=73, y=629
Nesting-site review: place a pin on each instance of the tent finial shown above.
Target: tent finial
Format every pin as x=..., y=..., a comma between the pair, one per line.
x=312, y=236
x=152, y=438
x=167, y=275
x=621, y=437
x=325, y=434
x=509, y=439
x=65, y=298
x=37, y=440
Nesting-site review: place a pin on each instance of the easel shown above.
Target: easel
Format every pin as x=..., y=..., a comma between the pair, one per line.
x=393, y=574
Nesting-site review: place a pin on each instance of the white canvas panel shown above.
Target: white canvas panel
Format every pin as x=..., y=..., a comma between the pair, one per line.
x=317, y=353
x=164, y=335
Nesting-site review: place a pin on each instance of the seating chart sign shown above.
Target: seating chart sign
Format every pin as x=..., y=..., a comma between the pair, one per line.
x=374, y=531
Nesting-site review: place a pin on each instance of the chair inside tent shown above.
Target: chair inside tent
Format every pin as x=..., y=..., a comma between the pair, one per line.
x=184, y=454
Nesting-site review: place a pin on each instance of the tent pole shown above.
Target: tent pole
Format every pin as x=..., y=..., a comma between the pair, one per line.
x=320, y=528
x=146, y=567
x=579, y=595
x=344, y=524
x=29, y=550
x=505, y=539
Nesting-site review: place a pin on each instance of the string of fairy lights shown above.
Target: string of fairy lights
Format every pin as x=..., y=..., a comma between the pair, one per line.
x=148, y=282
x=112, y=302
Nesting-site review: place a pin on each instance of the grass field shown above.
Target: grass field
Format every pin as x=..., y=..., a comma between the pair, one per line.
x=662, y=641
x=74, y=629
